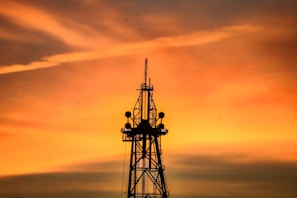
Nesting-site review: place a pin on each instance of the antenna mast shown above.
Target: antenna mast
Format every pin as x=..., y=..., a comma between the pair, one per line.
x=144, y=129
x=145, y=71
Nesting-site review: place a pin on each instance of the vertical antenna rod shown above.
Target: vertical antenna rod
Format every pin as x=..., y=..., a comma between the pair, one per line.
x=145, y=71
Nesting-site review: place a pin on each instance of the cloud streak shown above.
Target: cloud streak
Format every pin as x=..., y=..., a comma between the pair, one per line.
x=187, y=175
x=33, y=18
x=219, y=177
x=191, y=39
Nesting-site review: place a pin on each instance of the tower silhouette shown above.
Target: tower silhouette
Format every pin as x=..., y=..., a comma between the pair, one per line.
x=144, y=129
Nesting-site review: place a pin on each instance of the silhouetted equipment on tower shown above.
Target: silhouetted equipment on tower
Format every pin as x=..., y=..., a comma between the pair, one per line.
x=144, y=129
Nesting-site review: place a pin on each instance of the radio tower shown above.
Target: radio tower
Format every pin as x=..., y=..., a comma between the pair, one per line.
x=144, y=129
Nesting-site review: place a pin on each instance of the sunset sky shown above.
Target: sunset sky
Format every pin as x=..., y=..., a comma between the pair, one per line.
x=224, y=73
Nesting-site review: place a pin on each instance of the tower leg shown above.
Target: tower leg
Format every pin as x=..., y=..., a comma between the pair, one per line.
x=163, y=184
x=131, y=174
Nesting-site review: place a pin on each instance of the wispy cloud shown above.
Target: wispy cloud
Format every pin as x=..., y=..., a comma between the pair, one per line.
x=31, y=17
x=191, y=39
x=200, y=175
x=219, y=177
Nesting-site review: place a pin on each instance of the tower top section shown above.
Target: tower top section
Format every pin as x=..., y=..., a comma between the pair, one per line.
x=144, y=120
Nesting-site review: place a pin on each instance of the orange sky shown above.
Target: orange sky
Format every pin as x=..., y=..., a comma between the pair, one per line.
x=224, y=74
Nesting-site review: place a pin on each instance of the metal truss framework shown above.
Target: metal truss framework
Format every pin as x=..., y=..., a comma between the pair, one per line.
x=144, y=130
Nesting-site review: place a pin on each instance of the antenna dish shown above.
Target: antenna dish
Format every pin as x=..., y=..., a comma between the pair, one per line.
x=128, y=114
x=161, y=115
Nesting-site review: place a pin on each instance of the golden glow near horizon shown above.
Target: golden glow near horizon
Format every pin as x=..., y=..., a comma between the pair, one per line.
x=224, y=74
